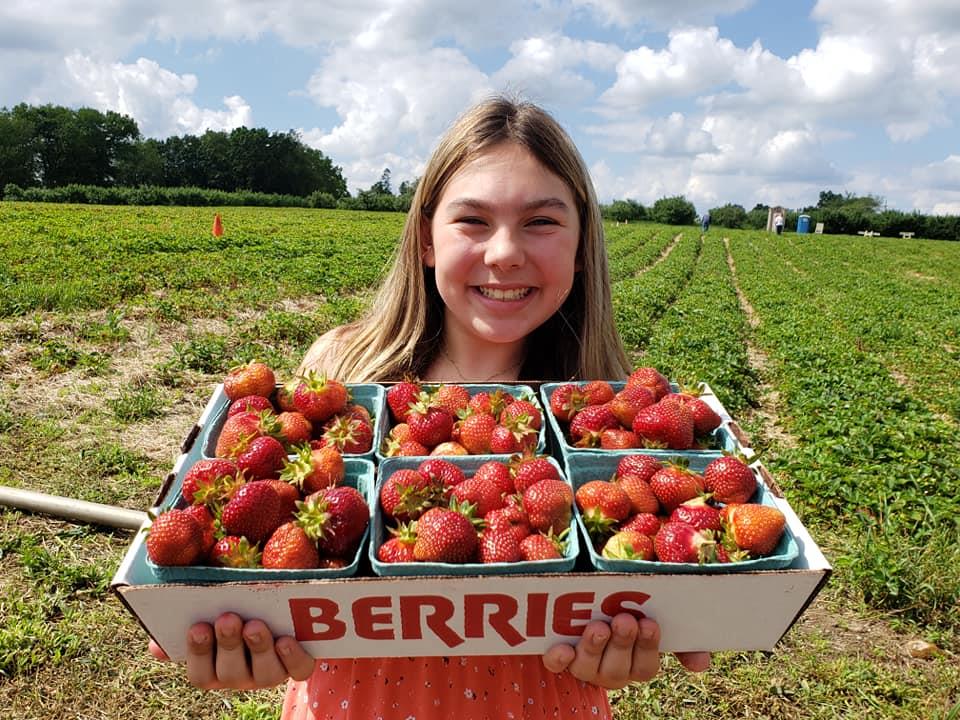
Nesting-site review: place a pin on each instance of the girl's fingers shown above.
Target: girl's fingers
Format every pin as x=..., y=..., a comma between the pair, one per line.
x=558, y=657
x=589, y=652
x=694, y=661
x=296, y=661
x=201, y=668
x=646, y=651
x=617, y=660
x=232, y=667
x=156, y=650
x=265, y=666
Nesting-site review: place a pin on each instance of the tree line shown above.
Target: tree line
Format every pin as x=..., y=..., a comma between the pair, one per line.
x=841, y=214
x=50, y=146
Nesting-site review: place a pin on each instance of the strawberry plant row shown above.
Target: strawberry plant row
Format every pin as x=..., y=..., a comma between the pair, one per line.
x=702, y=335
x=639, y=301
x=631, y=248
x=872, y=461
x=902, y=307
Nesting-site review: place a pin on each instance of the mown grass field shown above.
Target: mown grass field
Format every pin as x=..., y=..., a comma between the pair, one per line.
x=839, y=355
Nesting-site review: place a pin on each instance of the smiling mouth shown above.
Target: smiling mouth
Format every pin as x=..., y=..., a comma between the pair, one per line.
x=497, y=294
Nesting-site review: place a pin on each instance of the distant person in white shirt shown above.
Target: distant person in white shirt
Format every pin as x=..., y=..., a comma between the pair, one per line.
x=778, y=223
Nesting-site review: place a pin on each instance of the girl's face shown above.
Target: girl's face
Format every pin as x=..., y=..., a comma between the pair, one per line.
x=503, y=243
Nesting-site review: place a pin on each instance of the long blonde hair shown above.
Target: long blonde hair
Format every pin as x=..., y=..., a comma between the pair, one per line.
x=402, y=331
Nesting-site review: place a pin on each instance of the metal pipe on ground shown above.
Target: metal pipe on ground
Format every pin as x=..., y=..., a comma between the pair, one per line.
x=72, y=509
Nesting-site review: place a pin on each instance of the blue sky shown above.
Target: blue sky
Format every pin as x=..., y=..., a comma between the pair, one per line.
x=738, y=101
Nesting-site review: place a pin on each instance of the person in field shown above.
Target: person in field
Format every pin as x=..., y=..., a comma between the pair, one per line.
x=500, y=275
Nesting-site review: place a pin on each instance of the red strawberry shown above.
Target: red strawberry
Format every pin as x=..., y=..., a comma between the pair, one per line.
x=566, y=401
x=539, y=546
x=511, y=518
x=429, y=426
x=490, y=403
x=320, y=398
x=400, y=397
x=235, y=551
x=628, y=545
x=652, y=379
x=503, y=441
x=249, y=403
x=203, y=482
x=254, y=511
x=175, y=538
x=289, y=496
x=729, y=480
x=705, y=418
x=336, y=517
x=498, y=474
x=442, y=473
x=285, y=395
x=527, y=471
x=597, y=392
x=480, y=492
x=295, y=429
x=602, y=505
x=204, y=519
x=252, y=378
x=522, y=412
x=696, y=512
x=644, y=466
x=618, y=439
x=263, y=457
x=406, y=494
x=549, y=505
x=475, y=431
x=237, y=431
x=445, y=535
x=667, y=424
x=451, y=397
x=290, y=548
x=499, y=547
x=675, y=484
x=411, y=448
x=314, y=468
x=680, y=542
x=646, y=523
x=626, y=403
x=755, y=528
x=398, y=547
x=348, y=434
x=642, y=497
x=586, y=425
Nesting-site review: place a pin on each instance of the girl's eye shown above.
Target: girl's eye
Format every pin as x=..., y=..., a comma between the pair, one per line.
x=543, y=221
x=470, y=220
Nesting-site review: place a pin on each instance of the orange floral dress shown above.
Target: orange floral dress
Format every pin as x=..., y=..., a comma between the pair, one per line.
x=465, y=688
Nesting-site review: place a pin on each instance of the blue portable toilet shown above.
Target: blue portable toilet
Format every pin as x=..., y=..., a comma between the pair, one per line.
x=803, y=224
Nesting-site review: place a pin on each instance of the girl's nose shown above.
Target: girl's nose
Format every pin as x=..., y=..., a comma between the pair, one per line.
x=504, y=248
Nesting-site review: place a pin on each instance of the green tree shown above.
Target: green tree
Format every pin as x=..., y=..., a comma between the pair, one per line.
x=17, y=149
x=729, y=215
x=624, y=210
x=675, y=210
x=382, y=186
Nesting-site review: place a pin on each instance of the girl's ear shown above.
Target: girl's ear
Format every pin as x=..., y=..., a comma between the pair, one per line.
x=426, y=244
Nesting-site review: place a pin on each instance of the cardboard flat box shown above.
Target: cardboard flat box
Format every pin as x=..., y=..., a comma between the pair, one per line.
x=368, y=616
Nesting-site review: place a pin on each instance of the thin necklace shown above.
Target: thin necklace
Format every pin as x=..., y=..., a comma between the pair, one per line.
x=456, y=367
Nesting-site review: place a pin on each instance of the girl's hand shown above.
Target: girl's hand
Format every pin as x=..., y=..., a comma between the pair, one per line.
x=240, y=655
x=616, y=654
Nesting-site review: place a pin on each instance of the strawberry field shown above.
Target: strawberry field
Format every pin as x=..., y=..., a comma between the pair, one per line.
x=839, y=356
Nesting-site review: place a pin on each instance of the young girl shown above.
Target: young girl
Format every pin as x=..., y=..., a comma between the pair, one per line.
x=500, y=275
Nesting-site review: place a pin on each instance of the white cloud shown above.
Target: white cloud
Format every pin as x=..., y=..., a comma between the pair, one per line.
x=694, y=60
x=544, y=68
x=941, y=175
x=672, y=135
x=660, y=13
x=156, y=98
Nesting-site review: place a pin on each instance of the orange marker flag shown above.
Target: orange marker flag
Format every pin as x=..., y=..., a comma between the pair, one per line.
x=217, y=226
